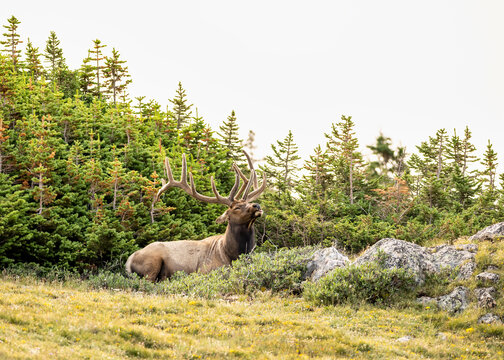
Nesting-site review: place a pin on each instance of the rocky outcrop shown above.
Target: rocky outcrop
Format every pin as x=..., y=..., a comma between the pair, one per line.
x=420, y=261
x=323, y=261
x=489, y=233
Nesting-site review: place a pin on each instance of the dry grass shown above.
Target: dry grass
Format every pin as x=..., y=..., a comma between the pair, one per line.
x=42, y=321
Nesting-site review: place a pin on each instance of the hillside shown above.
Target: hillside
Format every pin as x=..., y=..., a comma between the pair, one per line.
x=40, y=320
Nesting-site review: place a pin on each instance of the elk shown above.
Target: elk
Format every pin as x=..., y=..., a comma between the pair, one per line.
x=160, y=260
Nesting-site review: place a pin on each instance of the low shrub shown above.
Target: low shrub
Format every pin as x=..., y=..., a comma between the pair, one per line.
x=356, y=284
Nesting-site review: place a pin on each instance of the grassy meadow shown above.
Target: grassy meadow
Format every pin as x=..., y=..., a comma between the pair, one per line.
x=69, y=320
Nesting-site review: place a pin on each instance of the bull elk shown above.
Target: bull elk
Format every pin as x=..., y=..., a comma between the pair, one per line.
x=160, y=260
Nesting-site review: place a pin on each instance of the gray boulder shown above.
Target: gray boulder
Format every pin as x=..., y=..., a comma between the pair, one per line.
x=456, y=301
x=323, y=261
x=486, y=297
x=419, y=260
x=488, y=277
x=489, y=233
x=489, y=319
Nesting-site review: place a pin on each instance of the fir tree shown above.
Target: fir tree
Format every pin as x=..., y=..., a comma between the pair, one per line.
x=116, y=76
x=281, y=167
x=12, y=41
x=54, y=55
x=342, y=147
x=95, y=58
x=181, y=110
x=489, y=162
x=229, y=138
x=33, y=63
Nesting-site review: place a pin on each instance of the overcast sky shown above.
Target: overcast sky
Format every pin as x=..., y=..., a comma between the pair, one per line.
x=405, y=68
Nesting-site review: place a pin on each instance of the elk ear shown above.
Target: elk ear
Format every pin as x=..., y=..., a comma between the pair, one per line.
x=223, y=218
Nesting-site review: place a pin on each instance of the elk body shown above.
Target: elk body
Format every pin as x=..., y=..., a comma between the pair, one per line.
x=160, y=260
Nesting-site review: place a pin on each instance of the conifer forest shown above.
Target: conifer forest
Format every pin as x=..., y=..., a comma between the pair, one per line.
x=81, y=162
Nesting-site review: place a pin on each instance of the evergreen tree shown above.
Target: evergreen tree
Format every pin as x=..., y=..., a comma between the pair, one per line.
x=489, y=162
x=95, y=58
x=12, y=41
x=229, y=138
x=181, y=110
x=116, y=76
x=281, y=167
x=33, y=63
x=54, y=56
x=342, y=148
x=250, y=146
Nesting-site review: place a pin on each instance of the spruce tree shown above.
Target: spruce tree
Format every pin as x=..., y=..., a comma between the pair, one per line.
x=489, y=162
x=181, y=110
x=54, y=55
x=12, y=41
x=229, y=137
x=116, y=76
x=33, y=63
x=342, y=146
x=95, y=58
x=281, y=168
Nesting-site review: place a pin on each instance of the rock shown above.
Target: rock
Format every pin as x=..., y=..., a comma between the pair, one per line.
x=441, y=336
x=491, y=268
x=486, y=297
x=456, y=301
x=400, y=254
x=489, y=319
x=488, y=277
x=405, y=339
x=466, y=270
x=489, y=233
x=419, y=260
x=323, y=261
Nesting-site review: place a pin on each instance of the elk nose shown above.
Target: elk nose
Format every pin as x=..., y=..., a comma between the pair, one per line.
x=256, y=206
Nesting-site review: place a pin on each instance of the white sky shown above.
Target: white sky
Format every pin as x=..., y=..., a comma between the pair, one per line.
x=406, y=68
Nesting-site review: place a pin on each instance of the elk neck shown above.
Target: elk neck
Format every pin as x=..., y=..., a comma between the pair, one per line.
x=239, y=239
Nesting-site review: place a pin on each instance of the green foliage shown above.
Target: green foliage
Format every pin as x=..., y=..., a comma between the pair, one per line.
x=80, y=167
x=356, y=284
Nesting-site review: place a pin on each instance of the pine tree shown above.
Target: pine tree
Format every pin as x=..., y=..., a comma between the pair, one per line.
x=54, y=55
x=33, y=63
x=229, y=138
x=181, y=110
x=12, y=41
x=3, y=144
x=116, y=76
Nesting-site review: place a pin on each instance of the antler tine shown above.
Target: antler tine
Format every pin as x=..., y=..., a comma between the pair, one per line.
x=257, y=192
x=182, y=184
x=249, y=185
x=251, y=166
x=233, y=191
x=218, y=199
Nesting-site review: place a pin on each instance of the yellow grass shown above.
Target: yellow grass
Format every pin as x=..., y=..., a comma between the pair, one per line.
x=55, y=321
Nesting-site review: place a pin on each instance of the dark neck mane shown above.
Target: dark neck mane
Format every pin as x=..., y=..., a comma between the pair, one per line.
x=239, y=239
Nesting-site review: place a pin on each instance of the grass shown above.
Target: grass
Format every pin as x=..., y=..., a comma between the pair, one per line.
x=70, y=320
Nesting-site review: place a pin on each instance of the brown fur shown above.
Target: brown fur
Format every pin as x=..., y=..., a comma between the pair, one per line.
x=160, y=260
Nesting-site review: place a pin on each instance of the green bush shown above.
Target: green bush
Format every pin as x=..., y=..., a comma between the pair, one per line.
x=278, y=271
x=355, y=284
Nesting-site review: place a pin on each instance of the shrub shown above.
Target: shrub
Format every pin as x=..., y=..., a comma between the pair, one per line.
x=355, y=284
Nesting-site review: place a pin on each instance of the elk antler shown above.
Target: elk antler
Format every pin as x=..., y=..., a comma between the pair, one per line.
x=218, y=199
x=253, y=180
